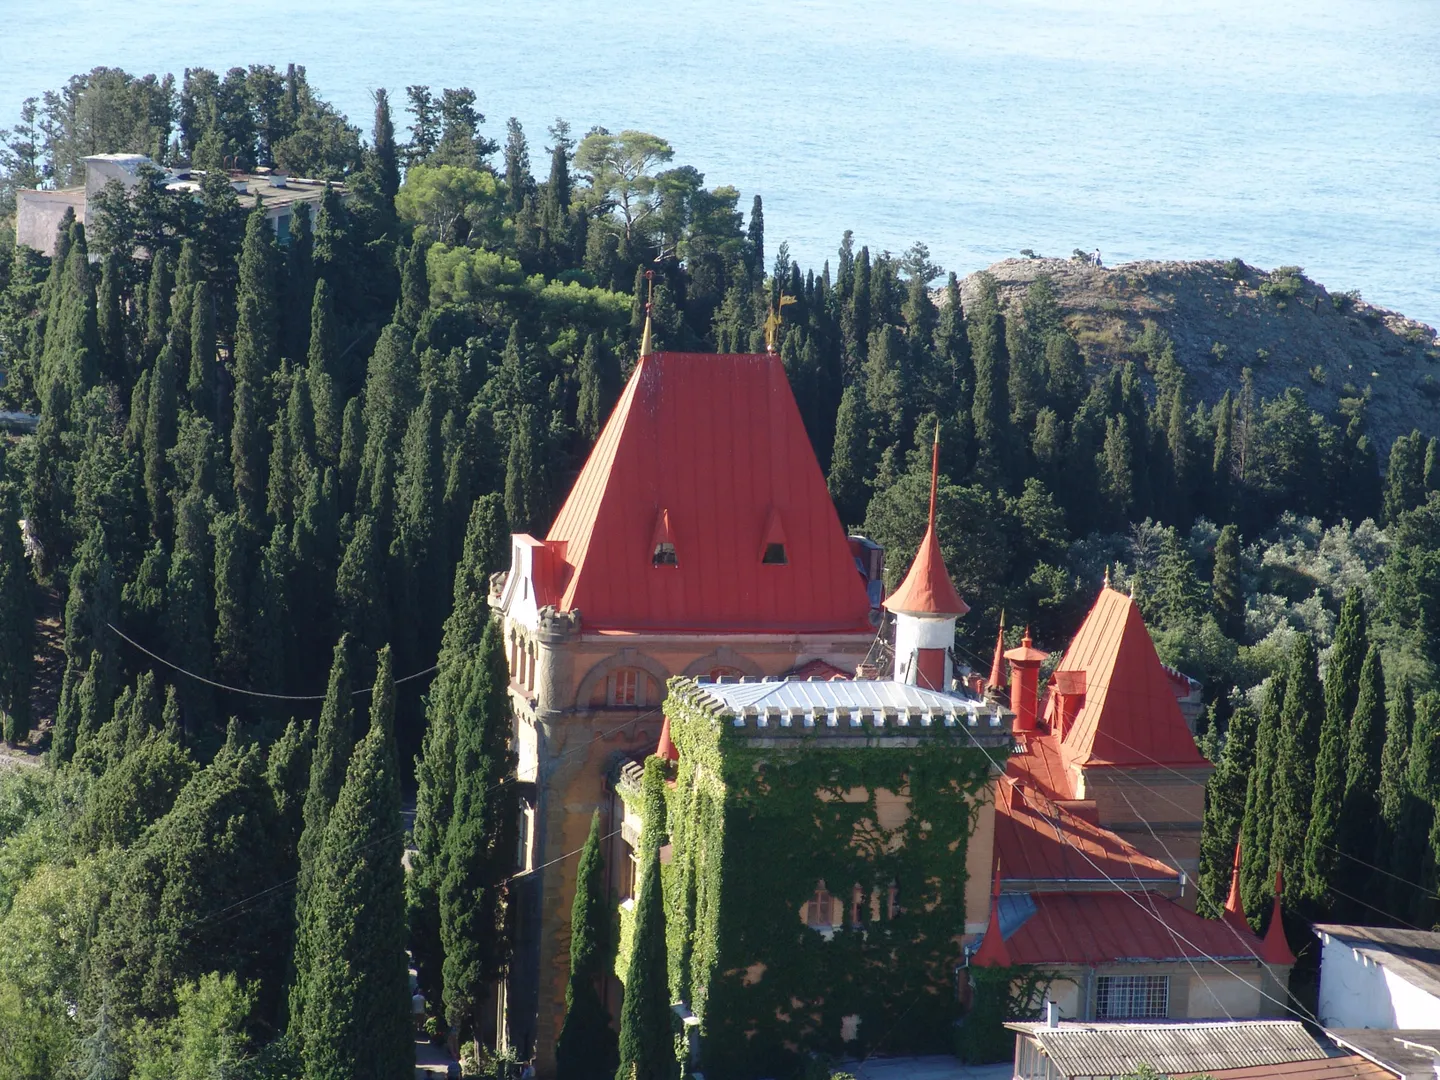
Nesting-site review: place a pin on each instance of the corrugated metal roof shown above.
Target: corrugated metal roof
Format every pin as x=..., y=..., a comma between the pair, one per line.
x=1413, y=955
x=830, y=694
x=1112, y=1050
x=718, y=445
x=1130, y=715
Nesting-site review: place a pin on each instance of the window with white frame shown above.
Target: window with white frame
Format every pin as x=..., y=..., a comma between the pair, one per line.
x=1132, y=997
x=625, y=687
x=820, y=909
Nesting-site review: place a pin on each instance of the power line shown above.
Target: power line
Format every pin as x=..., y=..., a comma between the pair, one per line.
x=253, y=693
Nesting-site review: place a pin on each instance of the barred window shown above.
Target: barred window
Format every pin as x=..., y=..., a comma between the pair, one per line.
x=1132, y=997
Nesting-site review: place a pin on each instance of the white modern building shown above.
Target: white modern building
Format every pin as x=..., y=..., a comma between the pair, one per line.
x=1376, y=977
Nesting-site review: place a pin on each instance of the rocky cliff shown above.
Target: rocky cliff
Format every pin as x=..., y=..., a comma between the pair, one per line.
x=1227, y=316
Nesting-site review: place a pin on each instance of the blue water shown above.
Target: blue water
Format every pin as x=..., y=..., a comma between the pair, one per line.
x=1275, y=130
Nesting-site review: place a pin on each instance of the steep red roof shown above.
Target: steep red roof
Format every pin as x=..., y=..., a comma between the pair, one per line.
x=1043, y=846
x=1234, y=904
x=927, y=589
x=1130, y=716
x=1106, y=927
x=709, y=451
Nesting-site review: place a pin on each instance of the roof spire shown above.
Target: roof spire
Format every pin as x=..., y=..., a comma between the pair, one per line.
x=1234, y=906
x=1275, y=949
x=934, y=474
x=997, y=666
x=1107, y=576
x=646, y=347
x=992, y=951
x=927, y=588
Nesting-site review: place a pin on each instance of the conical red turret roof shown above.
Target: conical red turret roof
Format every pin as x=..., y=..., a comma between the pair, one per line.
x=1234, y=905
x=997, y=665
x=666, y=750
x=1275, y=949
x=992, y=951
x=927, y=589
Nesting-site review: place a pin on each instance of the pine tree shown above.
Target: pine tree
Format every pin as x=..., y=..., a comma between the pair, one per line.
x=256, y=357
x=1361, y=834
x=1257, y=824
x=647, y=1047
x=353, y=1021
x=588, y=1048
x=1299, y=747
x=17, y=621
x=1226, y=592
x=480, y=840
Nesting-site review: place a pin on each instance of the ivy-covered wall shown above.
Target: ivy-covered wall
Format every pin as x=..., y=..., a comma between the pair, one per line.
x=755, y=827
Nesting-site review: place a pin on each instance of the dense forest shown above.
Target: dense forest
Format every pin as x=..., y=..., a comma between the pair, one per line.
x=268, y=485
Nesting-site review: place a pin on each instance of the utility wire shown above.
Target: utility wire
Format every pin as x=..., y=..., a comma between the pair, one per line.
x=253, y=693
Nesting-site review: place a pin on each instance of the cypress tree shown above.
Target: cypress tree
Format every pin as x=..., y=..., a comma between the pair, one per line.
x=383, y=151
x=991, y=407
x=352, y=449
x=1342, y=679
x=414, y=285
x=524, y=482
x=157, y=307
x=72, y=335
x=202, y=382
x=1400, y=717
x=647, y=1047
x=419, y=533
x=1299, y=747
x=1220, y=458
x=334, y=741
x=1413, y=856
x=17, y=621
x=587, y=1048
x=755, y=237
x=1226, y=593
x=354, y=1018
x=110, y=320
x=1256, y=826
x=481, y=837
x=359, y=586
x=268, y=624
x=1404, y=475
x=92, y=605
x=256, y=358
x=850, y=460
x=189, y=610
x=47, y=496
x=1361, y=832
x=589, y=411
x=299, y=257
x=232, y=609
x=1225, y=794
x=162, y=417
x=321, y=371
x=187, y=275
x=391, y=394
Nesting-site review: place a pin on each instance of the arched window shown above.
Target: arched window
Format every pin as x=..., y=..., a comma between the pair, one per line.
x=530, y=673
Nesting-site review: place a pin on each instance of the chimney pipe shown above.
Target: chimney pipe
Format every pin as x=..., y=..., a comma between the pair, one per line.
x=1052, y=1014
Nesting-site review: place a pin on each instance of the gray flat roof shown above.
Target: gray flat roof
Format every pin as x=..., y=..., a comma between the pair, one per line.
x=1412, y=1054
x=1413, y=955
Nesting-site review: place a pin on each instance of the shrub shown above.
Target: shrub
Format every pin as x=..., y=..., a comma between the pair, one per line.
x=1218, y=351
x=1235, y=269
x=1282, y=284
x=1317, y=374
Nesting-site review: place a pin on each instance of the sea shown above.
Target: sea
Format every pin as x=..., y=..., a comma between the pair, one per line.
x=1282, y=132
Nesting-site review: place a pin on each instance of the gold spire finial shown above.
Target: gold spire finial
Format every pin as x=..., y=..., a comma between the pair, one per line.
x=1107, y=576
x=772, y=321
x=646, y=347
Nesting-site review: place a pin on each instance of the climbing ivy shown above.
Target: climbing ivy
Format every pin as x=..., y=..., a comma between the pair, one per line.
x=754, y=828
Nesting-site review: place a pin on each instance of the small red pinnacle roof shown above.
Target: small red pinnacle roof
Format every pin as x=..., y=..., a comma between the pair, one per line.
x=1275, y=949
x=709, y=453
x=1234, y=906
x=997, y=665
x=1129, y=716
x=666, y=750
x=927, y=589
x=992, y=951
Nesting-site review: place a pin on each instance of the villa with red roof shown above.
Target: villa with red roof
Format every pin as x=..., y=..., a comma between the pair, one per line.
x=699, y=541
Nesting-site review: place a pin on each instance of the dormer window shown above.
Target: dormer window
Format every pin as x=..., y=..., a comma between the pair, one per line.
x=664, y=555
x=772, y=544
x=663, y=552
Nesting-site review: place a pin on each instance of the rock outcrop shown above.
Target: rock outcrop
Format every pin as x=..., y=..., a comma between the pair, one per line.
x=1226, y=316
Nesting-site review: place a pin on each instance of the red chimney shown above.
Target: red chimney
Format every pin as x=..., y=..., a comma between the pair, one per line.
x=1025, y=664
